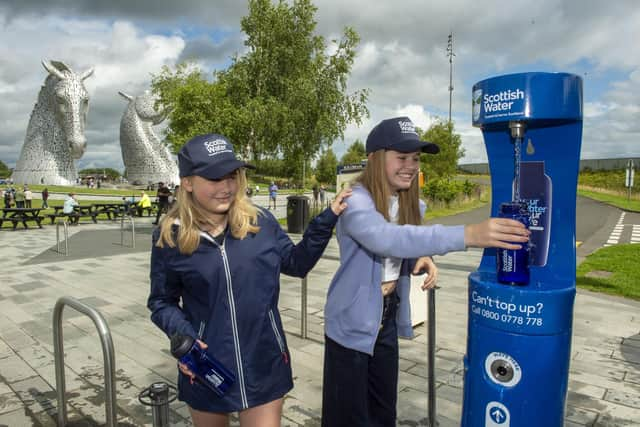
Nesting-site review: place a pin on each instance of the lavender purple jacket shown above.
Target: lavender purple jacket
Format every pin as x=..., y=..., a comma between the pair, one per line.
x=354, y=303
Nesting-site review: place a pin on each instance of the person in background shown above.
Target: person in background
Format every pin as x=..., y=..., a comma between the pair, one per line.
x=216, y=262
x=382, y=242
x=143, y=203
x=273, y=194
x=45, y=198
x=8, y=197
x=19, y=198
x=68, y=208
x=162, y=195
x=28, y=197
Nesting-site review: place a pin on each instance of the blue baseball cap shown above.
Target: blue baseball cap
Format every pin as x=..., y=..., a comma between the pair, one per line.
x=399, y=134
x=209, y=156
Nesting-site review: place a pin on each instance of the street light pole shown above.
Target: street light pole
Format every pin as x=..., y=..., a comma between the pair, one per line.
x=450, y=54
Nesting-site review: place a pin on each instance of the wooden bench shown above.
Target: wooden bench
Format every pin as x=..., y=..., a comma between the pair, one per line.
x=78, y=212
x=21, y=215
x=112, y=210
x=53, y=216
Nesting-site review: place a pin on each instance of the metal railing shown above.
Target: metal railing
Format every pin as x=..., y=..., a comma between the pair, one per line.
x=108, y=356
x=303, y=309
x=133, y=230
x=65, y=225
x=303, y=300
x=431, y=358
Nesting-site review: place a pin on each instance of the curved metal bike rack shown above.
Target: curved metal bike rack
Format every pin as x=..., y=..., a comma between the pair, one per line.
x=107, y=354
x=65, y=225
x=133, y=231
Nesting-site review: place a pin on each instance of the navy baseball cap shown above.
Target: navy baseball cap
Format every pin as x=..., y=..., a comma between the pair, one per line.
x=399, y=134
x=209, y=156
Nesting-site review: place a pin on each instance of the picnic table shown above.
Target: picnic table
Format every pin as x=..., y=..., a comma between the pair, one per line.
x=23, y=215
x=78, y=212
x=114, y=209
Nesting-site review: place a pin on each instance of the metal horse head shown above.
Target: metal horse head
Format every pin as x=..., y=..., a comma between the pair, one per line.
x=146, y=107
x=71, y=104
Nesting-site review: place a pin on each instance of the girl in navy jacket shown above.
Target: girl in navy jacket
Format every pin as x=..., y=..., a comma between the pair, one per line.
x=215, y=267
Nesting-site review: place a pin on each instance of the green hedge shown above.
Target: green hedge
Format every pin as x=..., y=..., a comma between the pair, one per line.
x=446, y=191
x=612, y=180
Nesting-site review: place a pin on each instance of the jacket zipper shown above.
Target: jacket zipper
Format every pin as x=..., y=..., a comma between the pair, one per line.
x=234, y=325
x=278, y=337
x=234, y=321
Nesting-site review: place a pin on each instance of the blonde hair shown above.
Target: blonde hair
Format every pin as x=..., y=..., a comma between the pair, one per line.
x=242, y=218
x=374, y=179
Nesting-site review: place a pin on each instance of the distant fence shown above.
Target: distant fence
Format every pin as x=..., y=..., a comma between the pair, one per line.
x=593, y=164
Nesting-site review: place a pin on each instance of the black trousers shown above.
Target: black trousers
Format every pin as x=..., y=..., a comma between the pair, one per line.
x=360, y=390
x=162, y=208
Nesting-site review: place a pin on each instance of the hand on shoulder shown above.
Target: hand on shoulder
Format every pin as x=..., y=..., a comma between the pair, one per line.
x=338, y=205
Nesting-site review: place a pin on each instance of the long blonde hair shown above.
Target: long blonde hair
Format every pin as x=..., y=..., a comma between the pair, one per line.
x=374, y=179
x=242, y=218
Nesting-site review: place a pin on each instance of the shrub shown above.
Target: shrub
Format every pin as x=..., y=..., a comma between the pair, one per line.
x=442, y=190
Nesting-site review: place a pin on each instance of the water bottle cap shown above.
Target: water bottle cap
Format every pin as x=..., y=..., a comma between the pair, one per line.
x=180, y=345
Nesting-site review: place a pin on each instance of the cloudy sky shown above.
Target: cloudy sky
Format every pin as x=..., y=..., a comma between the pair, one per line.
x=401, y=59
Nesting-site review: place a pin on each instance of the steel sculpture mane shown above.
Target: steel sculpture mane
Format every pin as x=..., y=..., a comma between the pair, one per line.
x=146, y=158
x=55, y=135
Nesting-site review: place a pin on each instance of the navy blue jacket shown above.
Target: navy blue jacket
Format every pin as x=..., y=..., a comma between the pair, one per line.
x=230, y=293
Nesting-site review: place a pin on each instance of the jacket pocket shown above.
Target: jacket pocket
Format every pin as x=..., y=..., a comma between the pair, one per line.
x=278, y=337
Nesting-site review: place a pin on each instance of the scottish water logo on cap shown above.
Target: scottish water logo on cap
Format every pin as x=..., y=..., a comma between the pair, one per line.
x=476, y=103
x=217, y=146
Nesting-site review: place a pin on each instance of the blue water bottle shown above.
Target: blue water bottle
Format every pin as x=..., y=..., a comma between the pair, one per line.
x=207, y=369
x=513, y=265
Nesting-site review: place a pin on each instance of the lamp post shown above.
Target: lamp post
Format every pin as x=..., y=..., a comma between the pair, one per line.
x=450, y=54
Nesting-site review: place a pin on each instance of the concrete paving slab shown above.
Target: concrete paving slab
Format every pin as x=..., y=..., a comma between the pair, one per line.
x=604, y=381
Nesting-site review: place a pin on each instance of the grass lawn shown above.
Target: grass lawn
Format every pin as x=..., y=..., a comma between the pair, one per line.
x=37, y=203
x=613, y=270
x=36, y=188
x=464, y=207
x=617, y=201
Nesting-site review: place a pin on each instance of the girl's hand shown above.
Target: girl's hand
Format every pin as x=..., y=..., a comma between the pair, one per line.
x=185, y=369
x=338, y=205
x=496, y=233
x=426, y=265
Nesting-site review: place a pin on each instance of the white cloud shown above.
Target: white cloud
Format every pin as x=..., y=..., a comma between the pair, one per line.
x=122, y=56
x=401, y=58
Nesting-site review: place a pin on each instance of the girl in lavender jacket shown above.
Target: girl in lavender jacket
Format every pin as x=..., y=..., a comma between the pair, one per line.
x=381, y=243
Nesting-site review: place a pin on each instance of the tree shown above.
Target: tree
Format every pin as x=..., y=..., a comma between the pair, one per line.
x=110, y=173
x=445, y=163
x=355, y=153
x=285, y=97
x=196, y=105
x=5, y=172
x=326, y=167
x=274, y=167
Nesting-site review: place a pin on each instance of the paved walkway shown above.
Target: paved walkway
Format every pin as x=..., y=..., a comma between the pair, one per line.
x=604, y=382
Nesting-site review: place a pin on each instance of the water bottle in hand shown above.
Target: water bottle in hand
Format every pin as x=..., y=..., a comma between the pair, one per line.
x=206, y=368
